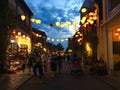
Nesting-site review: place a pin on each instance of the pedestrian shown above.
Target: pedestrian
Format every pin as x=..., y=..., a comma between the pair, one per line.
x=23, y=66
x=59, y=62
x=53, y=64
x=44, y=58
x=39, y=67
x=30, y=62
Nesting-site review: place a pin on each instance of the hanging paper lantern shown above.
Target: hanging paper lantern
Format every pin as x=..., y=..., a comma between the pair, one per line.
x=62, y=25
x=53, y=39
x=66, y=39
x=57, y=23
x=38, y=21
x=32, y=20
x=68, y=23
x=58, y=40
x=48, y=38
x=62, y=40
x=75, y=23
x=50, y=24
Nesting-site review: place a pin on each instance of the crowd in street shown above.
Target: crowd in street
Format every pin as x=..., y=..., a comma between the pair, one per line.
x=41, y=64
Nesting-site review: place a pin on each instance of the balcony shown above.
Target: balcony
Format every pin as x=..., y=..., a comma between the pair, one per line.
x=115, y=11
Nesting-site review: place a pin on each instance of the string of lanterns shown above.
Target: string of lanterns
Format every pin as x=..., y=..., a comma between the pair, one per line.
x=58, y=24
x=50, y=39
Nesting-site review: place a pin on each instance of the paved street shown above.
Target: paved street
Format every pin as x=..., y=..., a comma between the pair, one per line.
x=66, y=81
x=13, y=81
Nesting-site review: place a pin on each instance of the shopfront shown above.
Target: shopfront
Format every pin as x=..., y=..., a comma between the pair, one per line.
x=18, y=48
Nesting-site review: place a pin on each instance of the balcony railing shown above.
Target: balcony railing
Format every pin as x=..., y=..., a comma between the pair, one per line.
x=115, y=11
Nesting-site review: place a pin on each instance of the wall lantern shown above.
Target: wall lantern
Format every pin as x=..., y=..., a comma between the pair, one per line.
x=83, y=10
x=23, y=17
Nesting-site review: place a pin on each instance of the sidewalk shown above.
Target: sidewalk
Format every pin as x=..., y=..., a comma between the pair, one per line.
x=14, y=81
x=112, y=81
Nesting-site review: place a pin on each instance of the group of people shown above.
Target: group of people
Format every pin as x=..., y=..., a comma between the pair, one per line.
x=40, y=65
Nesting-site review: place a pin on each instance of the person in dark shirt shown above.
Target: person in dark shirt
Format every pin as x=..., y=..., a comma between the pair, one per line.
x=59, y=62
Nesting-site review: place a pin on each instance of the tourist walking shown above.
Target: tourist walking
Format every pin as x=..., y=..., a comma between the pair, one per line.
x=53, y=64
x=59, y=62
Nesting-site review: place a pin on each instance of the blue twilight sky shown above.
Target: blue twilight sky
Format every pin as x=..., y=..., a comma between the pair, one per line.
x=52, y=11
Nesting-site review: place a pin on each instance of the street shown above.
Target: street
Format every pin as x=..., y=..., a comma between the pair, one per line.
x=66, y=81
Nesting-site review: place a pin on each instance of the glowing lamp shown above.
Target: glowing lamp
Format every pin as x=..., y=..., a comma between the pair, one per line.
x=118, y=29
x=117, y=34
x=66, y=39
x=91, y=13
x=23, y=36
x=38, y=21
x=62, y=25
x=57, y=23
x=32, y=20
x=19, y=33
x=62, y=40
x=23, y=17
x=68, y=23
x=58, y=40
x=83, y=10
x=48, y=38
x=94, y=17
x=53, y=39
x=75, y=23
x=91, y=22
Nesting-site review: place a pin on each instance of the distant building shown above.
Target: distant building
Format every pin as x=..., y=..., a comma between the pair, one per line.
x=39, y=41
